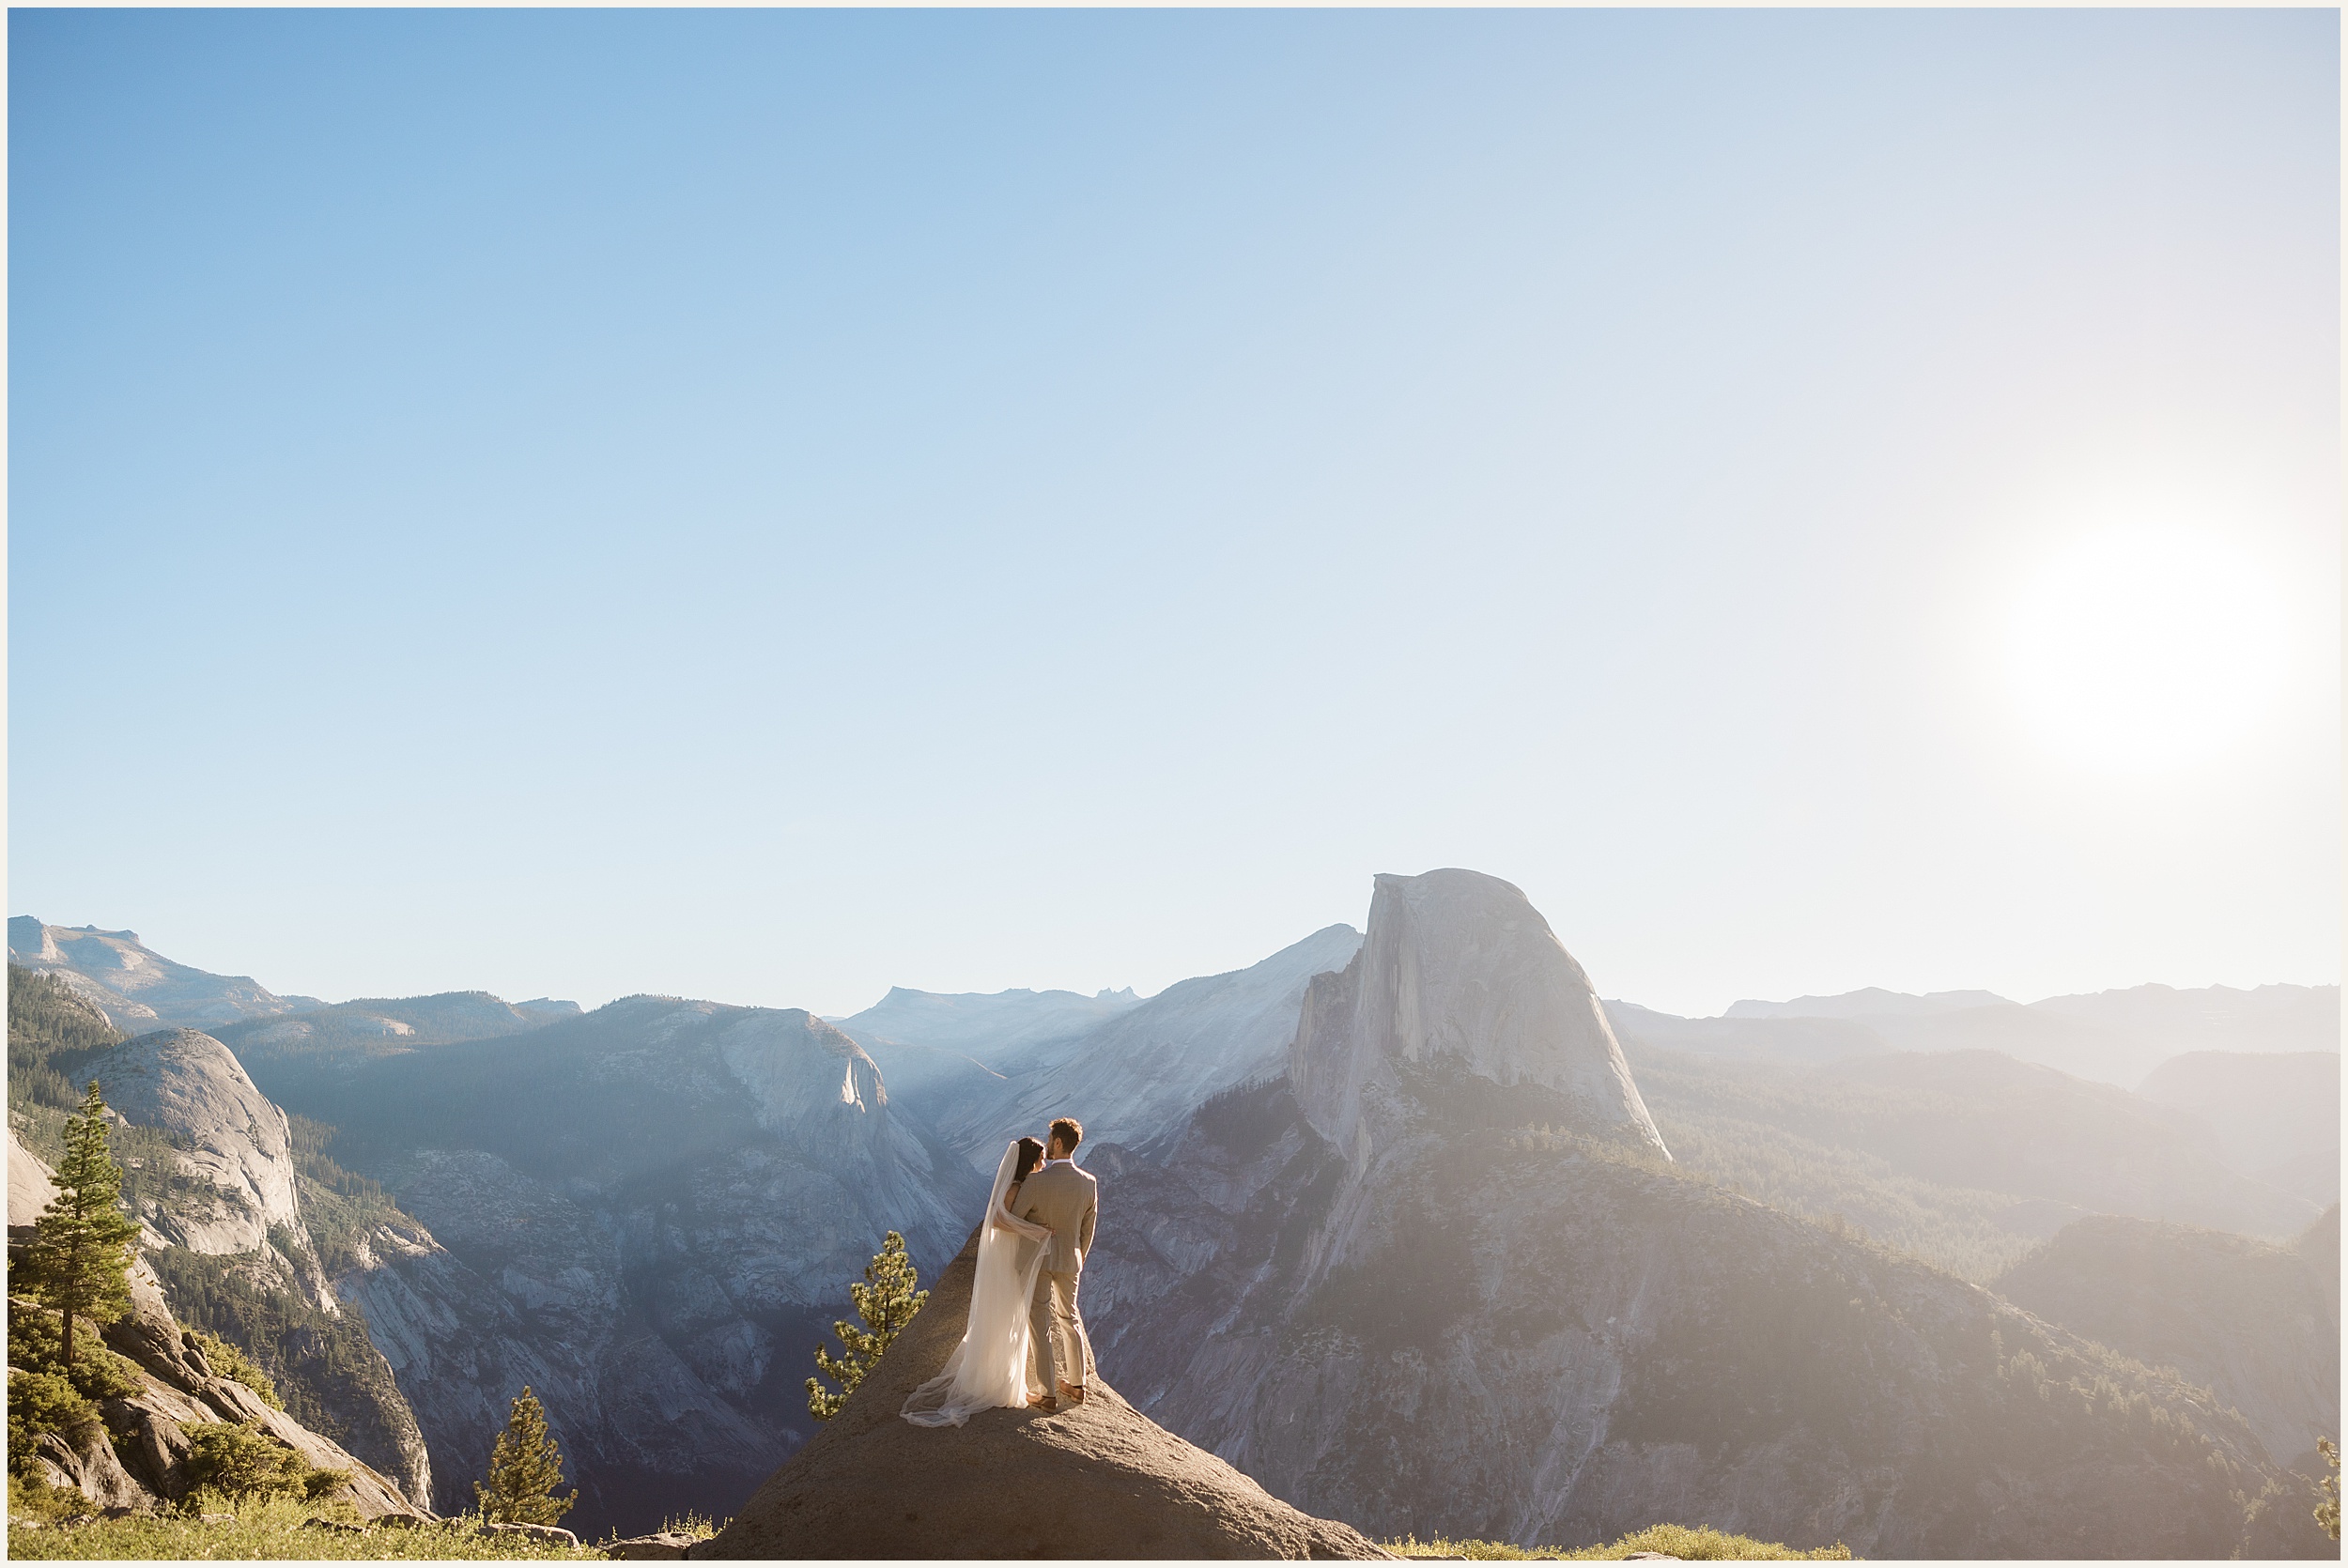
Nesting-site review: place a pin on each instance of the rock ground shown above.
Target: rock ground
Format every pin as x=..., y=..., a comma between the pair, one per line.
x=1096, y=1481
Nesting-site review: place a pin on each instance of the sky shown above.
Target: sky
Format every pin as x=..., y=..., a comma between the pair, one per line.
x=775, y=505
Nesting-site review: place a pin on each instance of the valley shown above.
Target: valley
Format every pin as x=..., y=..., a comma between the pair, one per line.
x=1403, y=1222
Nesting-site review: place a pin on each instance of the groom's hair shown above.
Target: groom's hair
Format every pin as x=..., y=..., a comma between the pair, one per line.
x=1070, y=1131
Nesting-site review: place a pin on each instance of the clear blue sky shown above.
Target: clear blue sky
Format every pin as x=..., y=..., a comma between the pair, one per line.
x=774, y=505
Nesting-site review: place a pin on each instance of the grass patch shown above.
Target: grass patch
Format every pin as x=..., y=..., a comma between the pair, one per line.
x=700, y=1527
x=1702, y=1544
x=266, y=1527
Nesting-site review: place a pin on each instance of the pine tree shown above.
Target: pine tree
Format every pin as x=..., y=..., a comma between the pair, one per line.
x=82, y=1244
x=525, y=1467
x=887, y=1302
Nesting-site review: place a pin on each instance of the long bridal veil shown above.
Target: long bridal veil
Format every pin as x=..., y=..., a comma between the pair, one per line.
x=990, y=1366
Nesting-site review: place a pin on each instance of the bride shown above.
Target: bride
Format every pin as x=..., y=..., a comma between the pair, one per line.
x=990, y=1366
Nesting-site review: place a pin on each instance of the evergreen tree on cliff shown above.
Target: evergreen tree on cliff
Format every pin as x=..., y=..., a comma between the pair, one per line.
x=79, y=1260
x=887, y=1302
x=525, y=1467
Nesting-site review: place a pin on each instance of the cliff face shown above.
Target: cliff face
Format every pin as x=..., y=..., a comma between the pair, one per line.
x=1442, y=1279
x=1459, y=977
x=649, y=1214
x=213, y=1178
x=231, y=1139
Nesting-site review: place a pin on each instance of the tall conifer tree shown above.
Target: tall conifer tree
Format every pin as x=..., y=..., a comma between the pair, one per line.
x=525, y=1467
x=82, y=1244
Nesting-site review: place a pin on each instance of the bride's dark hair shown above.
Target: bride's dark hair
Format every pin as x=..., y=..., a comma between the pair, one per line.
x=1030, y=1152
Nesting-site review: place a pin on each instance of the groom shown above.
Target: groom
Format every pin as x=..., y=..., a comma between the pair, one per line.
x=1061, y=1194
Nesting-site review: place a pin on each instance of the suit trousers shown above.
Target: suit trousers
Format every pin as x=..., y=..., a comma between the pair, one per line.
x=1062, y=1353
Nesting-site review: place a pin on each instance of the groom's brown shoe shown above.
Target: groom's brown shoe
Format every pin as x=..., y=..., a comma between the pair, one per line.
x=1072, y=1393
x=1043, y=1402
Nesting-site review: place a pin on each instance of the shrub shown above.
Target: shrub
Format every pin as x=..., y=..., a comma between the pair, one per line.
x=32, y=1497
x=242, y=1460
x=42, y=1402
x=691, y=1523
x=321, y=1483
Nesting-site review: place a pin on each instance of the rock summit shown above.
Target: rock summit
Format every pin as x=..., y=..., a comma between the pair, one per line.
x=1099, y=1479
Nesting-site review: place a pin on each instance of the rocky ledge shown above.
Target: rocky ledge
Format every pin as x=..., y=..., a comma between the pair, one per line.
x=1096, y=1481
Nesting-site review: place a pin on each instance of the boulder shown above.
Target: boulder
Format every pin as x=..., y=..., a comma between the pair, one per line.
x=90, y=1469
x=660, y=1547
x=1098, y=1479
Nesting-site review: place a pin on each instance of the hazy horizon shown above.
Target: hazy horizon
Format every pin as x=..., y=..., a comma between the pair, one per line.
x=774, y=505
x=1142, y=995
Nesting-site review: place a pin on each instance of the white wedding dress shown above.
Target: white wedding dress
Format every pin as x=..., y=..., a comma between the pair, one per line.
x=990, y=1366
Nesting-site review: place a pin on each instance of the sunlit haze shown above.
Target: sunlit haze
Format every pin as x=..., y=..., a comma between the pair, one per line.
x=772, y=505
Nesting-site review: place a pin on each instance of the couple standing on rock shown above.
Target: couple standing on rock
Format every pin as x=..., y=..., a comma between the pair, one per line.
x=1024, y=1343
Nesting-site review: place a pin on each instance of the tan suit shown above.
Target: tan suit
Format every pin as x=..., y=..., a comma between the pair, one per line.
x=1065, y=1197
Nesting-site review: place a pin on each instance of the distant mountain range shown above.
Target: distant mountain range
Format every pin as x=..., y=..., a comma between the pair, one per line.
x=139, y=989
x=1431, y=1147
x=2115, y=1037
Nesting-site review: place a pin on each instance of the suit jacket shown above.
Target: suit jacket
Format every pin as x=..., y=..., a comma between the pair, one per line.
x=1065, y=1196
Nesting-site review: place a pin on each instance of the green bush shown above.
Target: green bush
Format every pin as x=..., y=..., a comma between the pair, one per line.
x=321, y=1483
x=34, y=1499
x=42, y=1402
x=240, y=1460
x=232, y=1364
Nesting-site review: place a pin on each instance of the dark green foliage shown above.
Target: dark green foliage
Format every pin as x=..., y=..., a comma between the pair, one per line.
x=525, y=1467
x=79, y=1258
x=228, y=1362
x=35, y=1345
x=318, y=1366
x=2328, y=1488
x=319, y=1484
x=31, y=1497
x=886, y=1302
x=42, y=1402
x=47, y=1023
x=240, y=1460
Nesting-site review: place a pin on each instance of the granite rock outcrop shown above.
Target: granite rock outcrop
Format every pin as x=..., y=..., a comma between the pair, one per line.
x=1096, y=1479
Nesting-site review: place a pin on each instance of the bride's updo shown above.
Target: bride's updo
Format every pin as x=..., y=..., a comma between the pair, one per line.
x=1030, y=1152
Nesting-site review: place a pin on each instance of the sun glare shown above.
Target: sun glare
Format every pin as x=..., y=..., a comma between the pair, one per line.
x=2143, y=650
